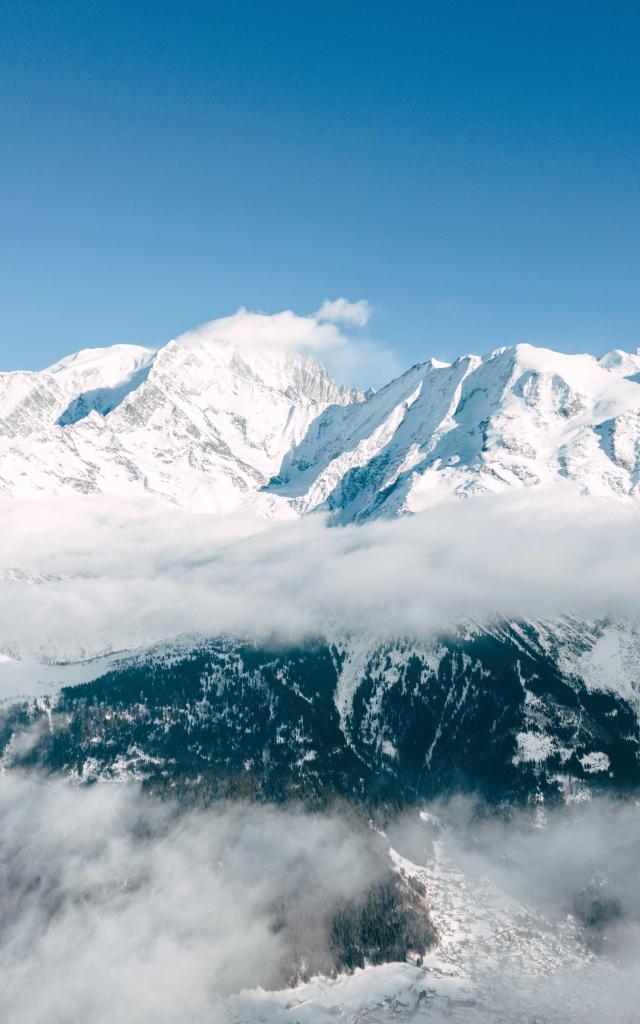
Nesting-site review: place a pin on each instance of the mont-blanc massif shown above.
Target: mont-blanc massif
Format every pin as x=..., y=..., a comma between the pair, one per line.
x=319, y=704
x=319, y=512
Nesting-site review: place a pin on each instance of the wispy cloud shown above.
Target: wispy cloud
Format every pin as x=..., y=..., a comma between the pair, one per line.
x=342, y=311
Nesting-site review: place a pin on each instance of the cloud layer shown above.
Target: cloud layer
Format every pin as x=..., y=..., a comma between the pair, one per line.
x=87, y=576
x=114, y=908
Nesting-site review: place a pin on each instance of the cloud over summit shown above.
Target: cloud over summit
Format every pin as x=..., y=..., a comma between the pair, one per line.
x=333, y=334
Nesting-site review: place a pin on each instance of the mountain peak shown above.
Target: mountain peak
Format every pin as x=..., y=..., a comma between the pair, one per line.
x=203, y=422
x=211, y=360
x=626, y=364
x=110, y=363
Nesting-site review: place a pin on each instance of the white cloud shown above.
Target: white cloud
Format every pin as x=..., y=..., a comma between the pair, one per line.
x=115, y=908
x=342, y=311
x=285, y=330
x=86, y=576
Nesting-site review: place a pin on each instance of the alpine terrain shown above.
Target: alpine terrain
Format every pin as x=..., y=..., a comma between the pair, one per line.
x=210, y=426
x=516, y=715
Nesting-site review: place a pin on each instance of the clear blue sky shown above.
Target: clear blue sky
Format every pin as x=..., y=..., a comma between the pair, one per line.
x=472, y=169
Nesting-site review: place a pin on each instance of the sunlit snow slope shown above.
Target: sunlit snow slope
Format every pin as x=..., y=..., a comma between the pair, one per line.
x=208, y=427
x=200, y=424
x=519, y=417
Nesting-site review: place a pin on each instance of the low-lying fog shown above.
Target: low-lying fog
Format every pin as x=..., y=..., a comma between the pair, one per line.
x=115, y=907
x=81, y=577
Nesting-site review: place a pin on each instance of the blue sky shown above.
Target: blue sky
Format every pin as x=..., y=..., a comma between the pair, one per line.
x=471, y=169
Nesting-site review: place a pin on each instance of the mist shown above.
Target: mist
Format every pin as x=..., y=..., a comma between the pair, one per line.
x=114, y=907
x=555, y=859
x=83, y=577
x=570, y=872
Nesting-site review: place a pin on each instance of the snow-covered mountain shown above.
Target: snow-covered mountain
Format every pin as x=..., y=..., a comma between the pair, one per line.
x=520, y=714
x=92, y=379
x=200, y=424
x=208, y=425
x=506, y=710
x=519, y=417
x=626, y=364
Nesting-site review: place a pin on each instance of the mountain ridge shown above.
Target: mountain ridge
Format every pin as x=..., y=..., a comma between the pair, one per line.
x=520, y=416
x=212, y=426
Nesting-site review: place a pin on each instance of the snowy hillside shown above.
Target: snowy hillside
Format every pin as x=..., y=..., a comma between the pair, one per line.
x=30, y=402
x=208, y=425
x=519, y=417
x=200, y=424
x=627, y=364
